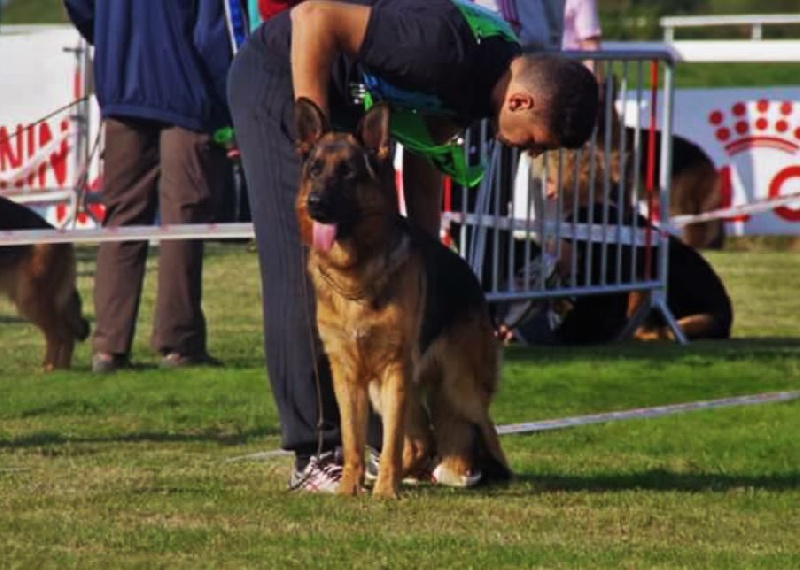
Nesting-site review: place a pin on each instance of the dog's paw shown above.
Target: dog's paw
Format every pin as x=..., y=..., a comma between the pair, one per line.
x=350, y=483
x=385, y=491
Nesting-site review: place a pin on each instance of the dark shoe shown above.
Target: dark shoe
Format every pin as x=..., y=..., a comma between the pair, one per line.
x=105, y=363
x=173, y=360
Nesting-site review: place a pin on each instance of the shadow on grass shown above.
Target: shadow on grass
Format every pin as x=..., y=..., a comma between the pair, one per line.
x=11, y=320
x=53, y=439
x=731, y=349
x=657, y=480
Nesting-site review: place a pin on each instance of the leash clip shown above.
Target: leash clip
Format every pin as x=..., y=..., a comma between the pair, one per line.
x=358, y=93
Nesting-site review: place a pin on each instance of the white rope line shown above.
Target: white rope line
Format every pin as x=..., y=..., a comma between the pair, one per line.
x=128, y=233
x=40, y=196
x=641, y=413
x=574, y=421
x=591, y=232
x=756, y=207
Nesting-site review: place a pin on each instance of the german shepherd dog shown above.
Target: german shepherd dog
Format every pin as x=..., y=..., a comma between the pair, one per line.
x=402, y=319
x=40, y=281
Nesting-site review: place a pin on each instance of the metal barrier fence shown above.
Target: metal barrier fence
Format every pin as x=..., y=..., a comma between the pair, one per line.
x=516, y=238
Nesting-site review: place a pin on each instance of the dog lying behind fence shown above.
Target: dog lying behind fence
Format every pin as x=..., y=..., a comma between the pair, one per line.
x=40, y=281
x=402, y=319
x=695, y=294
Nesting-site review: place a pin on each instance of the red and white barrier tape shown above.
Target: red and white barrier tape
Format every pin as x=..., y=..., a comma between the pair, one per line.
x=757, y=207
x=129, y=233
x=574, y=421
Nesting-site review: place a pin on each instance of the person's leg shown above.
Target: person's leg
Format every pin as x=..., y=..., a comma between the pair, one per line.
x=261, y=99
x=422, y=189
x=130, y=175
x=193, y=171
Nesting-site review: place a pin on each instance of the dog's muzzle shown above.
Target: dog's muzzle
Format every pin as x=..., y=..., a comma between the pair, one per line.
x=319, y=207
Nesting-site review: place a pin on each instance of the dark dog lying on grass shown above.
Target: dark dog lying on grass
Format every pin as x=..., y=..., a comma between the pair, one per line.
x=696, y=295
x=40, y=281
x=402, y=319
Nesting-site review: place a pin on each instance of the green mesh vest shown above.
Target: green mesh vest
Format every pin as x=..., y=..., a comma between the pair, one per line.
x=408, y=125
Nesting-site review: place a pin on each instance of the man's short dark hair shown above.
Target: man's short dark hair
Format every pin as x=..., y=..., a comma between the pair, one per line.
x=571, y=94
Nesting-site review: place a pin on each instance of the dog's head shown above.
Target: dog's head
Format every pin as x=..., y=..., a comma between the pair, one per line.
x=347, y=187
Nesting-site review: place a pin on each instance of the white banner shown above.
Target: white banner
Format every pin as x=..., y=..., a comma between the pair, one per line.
x=753, y=137
x=39, y=79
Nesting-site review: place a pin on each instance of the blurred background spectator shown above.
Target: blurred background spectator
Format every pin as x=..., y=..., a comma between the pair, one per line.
x=160, y=109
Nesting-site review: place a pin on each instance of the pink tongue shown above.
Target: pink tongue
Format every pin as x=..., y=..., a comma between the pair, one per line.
x=324, y=236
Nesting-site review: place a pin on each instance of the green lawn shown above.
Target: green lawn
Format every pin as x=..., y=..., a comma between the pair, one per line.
x=33, y=12
x=134, y=470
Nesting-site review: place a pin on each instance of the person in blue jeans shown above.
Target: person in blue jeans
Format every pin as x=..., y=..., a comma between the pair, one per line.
x=441, y=64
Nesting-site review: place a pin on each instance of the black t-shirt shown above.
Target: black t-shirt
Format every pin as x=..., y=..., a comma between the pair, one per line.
x=423, y=49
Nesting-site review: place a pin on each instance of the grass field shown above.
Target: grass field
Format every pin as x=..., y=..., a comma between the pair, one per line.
x=134, y=470
x=153, y=469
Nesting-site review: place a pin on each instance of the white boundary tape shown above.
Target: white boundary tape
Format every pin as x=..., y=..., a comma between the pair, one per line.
x=592, y=232
x=639, y=413
x=573, y=421
x=129, y=233
x=756, y=207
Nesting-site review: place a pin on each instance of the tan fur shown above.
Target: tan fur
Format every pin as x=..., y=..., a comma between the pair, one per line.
x=41, y=282
x=42, y=287
x=696, y=191
x=370, y=308
x=695, y=185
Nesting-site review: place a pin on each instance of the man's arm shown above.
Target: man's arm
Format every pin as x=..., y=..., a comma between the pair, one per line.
x=320, y=30
x=81, y=13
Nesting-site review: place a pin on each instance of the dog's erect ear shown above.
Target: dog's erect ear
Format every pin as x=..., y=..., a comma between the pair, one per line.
x=310, y=123
x=373, y=131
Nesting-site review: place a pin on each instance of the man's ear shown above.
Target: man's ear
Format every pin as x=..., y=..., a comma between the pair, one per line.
x=373, y=131
x=310, y=124
x=520, y=101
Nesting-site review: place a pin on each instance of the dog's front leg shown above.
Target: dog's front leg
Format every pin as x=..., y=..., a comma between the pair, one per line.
x=393, y=410
x=353, y=401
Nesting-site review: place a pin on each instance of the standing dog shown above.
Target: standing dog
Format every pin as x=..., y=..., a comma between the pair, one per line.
x=40, y=281
x=402, y=319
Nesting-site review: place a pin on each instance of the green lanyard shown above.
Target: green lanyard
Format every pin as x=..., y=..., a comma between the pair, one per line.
x=409, y=127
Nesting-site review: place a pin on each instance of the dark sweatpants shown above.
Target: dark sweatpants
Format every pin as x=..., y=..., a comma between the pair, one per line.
x=150, y=167
x=261, y=99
